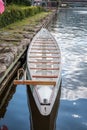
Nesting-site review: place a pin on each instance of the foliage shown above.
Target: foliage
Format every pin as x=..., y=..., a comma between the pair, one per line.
x=24, y=2
x=14, y=13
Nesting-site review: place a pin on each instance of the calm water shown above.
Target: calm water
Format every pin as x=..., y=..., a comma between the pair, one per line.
x=70, y=30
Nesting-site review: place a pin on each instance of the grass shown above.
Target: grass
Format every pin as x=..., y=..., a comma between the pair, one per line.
x=33, y=20
x=17, y=28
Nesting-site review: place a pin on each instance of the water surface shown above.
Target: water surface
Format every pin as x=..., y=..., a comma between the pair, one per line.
x=70, y=30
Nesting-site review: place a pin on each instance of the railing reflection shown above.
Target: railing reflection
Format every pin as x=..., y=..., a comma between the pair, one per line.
x=5, y=98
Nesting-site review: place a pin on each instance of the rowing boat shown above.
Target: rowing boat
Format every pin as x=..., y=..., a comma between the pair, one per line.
x=43, y=73
x=44, y=70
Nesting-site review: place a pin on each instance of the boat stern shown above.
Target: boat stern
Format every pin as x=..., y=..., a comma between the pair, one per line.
x=43, y=95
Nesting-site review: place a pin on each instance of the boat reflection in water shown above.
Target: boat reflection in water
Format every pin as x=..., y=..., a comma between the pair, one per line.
x=38, y=121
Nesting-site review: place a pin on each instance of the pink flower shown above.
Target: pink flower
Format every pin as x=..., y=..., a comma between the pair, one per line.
x=2, y=8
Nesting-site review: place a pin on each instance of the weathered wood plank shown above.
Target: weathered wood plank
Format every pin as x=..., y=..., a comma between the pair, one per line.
x=44, y=56
x=34, y=82
x=44, y=62
x=44, y=52
x=44, y=48
x=38, y=68
x=44, y=45
x=45, y=76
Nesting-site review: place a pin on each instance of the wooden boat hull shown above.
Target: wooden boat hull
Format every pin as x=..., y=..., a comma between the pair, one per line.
x=38, y=121
x=44, y=65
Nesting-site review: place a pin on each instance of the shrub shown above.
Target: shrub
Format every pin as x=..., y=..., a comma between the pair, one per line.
x=15, y=13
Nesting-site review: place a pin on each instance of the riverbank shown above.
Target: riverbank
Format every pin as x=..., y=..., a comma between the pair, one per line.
x=14, y=41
